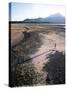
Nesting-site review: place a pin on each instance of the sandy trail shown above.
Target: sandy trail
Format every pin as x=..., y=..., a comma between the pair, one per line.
x=49, y=41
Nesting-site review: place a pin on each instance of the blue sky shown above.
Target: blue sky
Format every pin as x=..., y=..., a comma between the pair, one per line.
x=21, y=11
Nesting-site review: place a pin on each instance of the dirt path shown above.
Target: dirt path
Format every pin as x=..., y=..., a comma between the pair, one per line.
x=49, y=42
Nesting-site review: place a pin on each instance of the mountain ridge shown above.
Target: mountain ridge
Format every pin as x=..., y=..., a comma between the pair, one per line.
x=51, y=19
x=55, y=18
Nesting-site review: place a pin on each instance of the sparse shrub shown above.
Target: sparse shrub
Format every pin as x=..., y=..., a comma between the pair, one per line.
x=26, y=75
x=55, y=68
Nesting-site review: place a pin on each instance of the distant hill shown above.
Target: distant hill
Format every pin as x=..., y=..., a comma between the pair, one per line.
x=55, y=19
x=52, y=19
